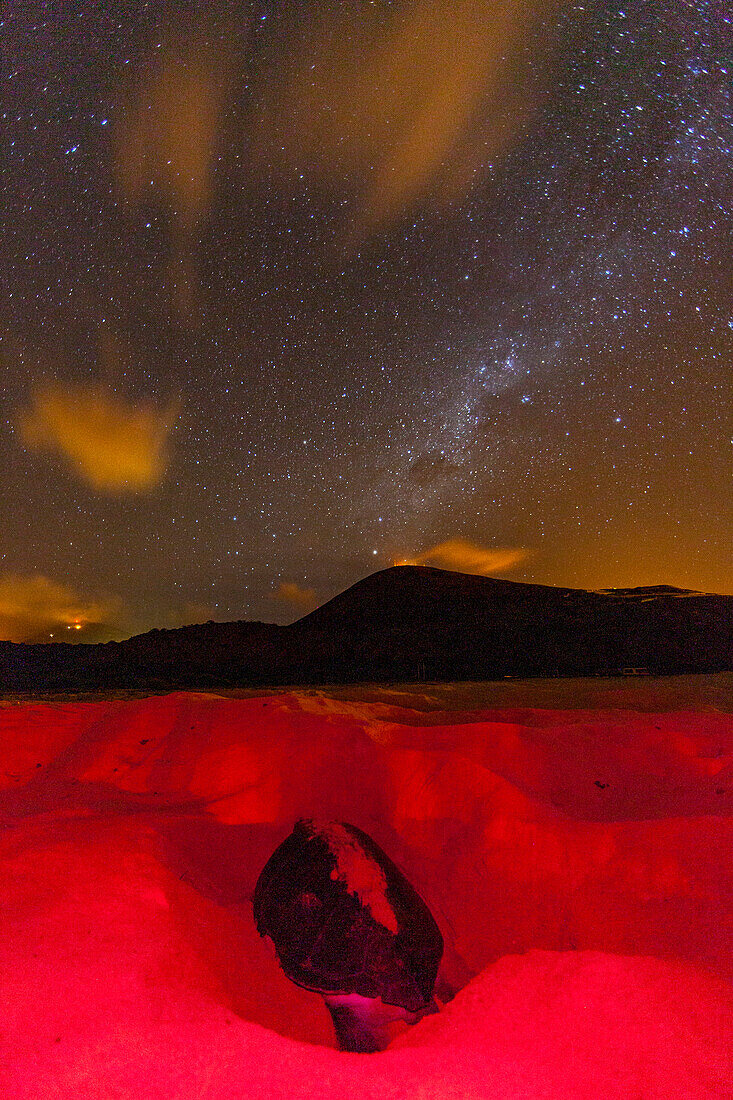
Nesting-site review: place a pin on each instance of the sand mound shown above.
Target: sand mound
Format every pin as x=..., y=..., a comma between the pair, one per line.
x=576, y=861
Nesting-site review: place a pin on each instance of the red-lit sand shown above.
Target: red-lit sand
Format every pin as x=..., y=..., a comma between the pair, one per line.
x=578, y=862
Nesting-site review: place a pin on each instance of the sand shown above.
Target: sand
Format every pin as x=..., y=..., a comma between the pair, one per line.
x=573, y=841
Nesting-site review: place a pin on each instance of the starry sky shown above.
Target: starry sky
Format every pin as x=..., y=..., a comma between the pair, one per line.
x=291, y=292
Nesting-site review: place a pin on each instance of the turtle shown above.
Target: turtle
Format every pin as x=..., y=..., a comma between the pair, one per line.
x=346, y=923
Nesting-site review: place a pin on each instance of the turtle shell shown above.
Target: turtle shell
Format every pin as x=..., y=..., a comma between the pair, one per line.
x=344, y=919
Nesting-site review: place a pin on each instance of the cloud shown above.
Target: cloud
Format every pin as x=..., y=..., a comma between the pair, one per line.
x=303, y=598
x=32, y=608
x=167, y=133
x=115, y=445
x=165, y=143
x=464, y=556
x=400, y=111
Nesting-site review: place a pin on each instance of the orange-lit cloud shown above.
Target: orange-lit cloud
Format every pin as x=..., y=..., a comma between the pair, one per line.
x=464, y=556
x=303, y=598
x=115, y=445
x=35, y=608
x=167, y=134
x=166, y=139
x=399, y=113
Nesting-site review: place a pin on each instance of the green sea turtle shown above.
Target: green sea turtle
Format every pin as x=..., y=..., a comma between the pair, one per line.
x=346, y=923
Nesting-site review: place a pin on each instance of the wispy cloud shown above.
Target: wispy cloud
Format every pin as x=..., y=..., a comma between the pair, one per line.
x=399, y=110
x=465, y=556
x=166, y=140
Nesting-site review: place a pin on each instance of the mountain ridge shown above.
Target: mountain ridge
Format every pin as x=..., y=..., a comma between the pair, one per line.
x=406, y=622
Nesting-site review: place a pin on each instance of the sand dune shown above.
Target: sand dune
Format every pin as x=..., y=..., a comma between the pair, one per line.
x=577, y=862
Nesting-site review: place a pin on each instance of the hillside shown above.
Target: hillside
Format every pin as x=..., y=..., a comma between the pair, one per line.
x=406, y=623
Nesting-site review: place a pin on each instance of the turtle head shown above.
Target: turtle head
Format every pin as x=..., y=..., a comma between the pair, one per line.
x=344, y=919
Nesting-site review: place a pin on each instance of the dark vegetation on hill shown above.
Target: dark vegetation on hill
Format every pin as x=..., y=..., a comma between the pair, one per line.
x=407, y=623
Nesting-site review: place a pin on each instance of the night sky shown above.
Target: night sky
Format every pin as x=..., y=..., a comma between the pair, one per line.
x=293, y=291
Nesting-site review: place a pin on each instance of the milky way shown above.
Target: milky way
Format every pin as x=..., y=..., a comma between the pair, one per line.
x=286, y=298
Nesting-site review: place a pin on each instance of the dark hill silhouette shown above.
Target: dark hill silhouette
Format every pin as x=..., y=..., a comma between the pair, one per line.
x=406, y=623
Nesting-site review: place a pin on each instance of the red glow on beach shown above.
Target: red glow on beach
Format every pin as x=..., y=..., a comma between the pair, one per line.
x=575, y=860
